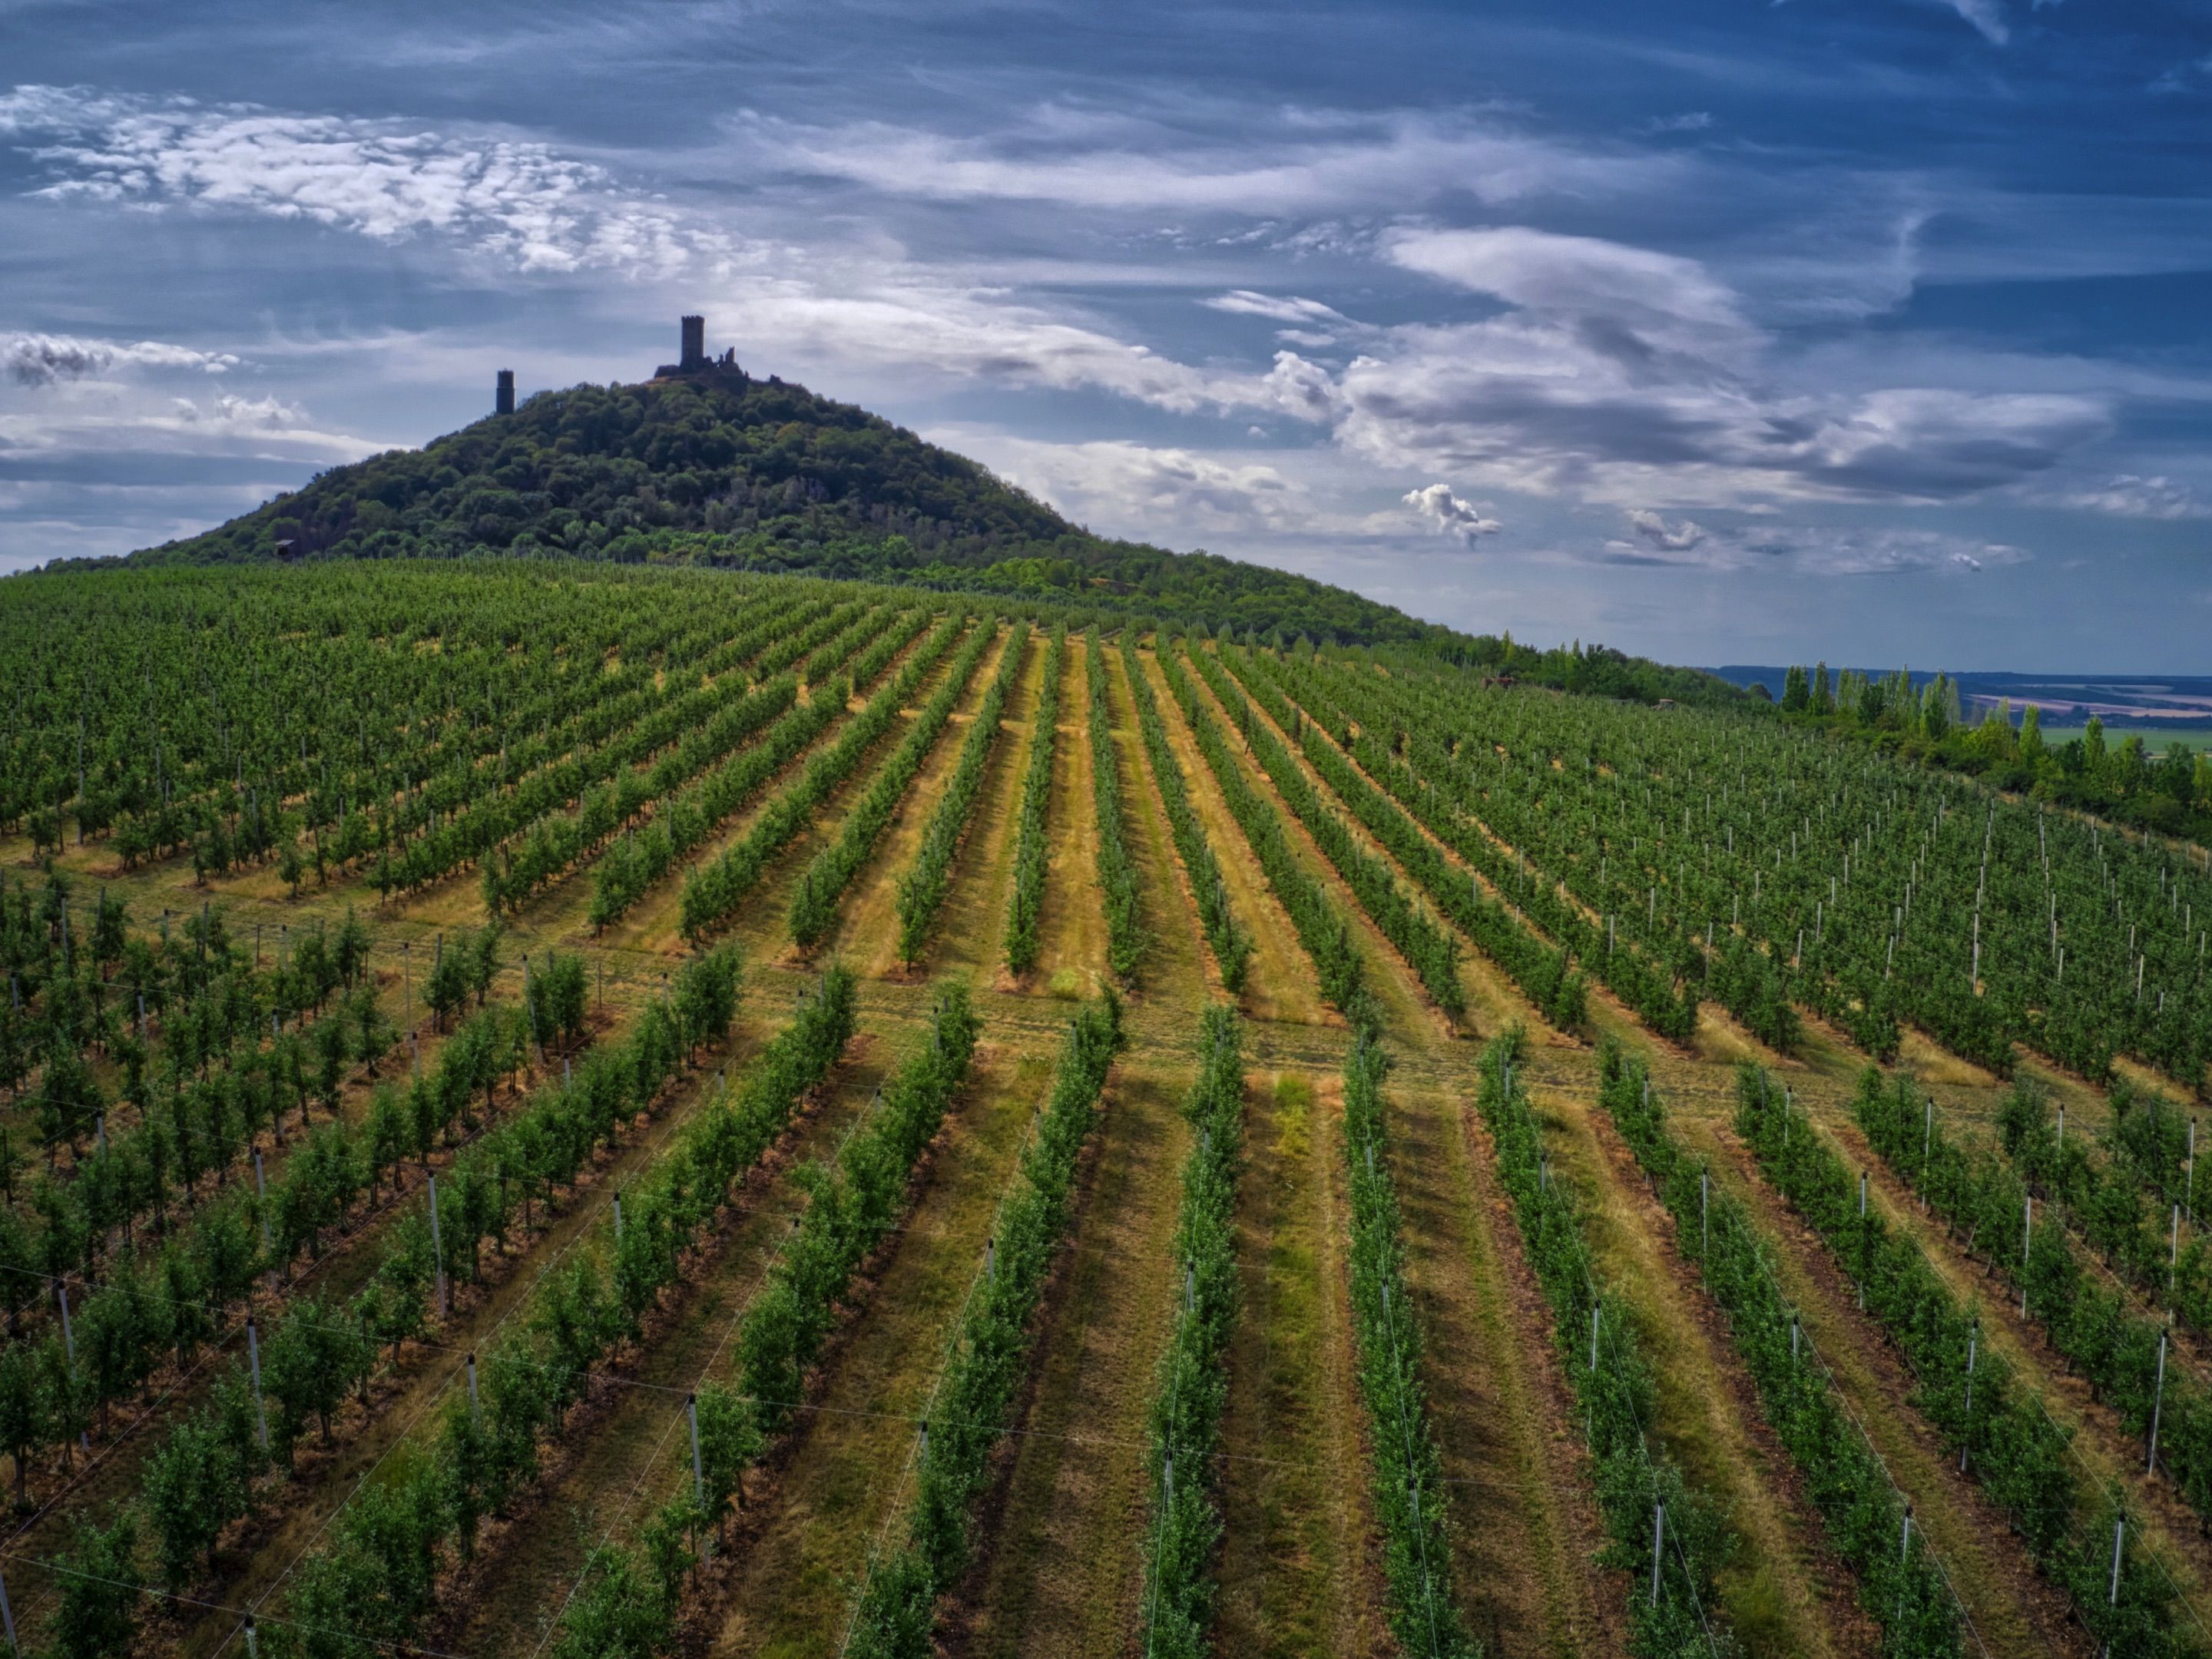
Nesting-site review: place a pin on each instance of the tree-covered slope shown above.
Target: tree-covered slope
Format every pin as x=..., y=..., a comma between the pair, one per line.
x=759, y=475
x=715, y=469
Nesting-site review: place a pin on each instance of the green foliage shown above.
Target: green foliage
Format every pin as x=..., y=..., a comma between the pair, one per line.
x=977, y=1390
x=1232, y=949
x=921, y=891
x=851, y=1209
x=2014, y=1449
x=378, y=1579
x=1032, y=854
x=1904, y=1590
x=1595, y=1333
x=97, y=1593
x=822, y=885
x=711, y=891
x=1194, y=1378
x=1326, y=936
x=682, y=822
x=752, y=475
x=1408, y=1486
x=1982, y=1196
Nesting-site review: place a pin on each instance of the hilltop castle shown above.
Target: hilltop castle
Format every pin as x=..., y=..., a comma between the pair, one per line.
x=694, y=359
x=692, y=362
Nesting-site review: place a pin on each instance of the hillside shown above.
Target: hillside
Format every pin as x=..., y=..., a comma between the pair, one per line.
x=719, y=469
x=713, y=468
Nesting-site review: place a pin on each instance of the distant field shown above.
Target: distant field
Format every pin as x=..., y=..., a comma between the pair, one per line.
x=2155, y=737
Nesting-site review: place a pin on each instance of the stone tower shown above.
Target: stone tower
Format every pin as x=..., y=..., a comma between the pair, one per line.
x=503, y=399
x=695, y=344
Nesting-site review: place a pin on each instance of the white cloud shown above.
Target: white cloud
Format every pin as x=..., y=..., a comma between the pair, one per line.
x=1986, y=15
x=1623, y=375
x=516, y=201
x=1679, y=538
x=1130, y=489
x=1299, y=161
x=2130, y=496
x=1446, y=514
x=38, y=360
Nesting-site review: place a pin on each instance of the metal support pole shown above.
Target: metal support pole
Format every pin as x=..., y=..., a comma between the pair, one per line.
x=2157, y=1403
x=7, y=1617
x=252, y=1642
x=1658, y=1538
x=1966, y=1429
x=253, y=1358
x=68, y=1337
x=2026, y=1241
x=475, y=1406
x=261, y=1198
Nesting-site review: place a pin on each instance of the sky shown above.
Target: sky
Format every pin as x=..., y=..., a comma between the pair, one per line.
x=1717, y=331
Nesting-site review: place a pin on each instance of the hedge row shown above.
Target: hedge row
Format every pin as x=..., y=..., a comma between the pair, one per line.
x=1544, y=973
x=1117, y=875
x=711, y=891
x=1409, y=1477
x=633, y=864
x=1595, y=1335
x=1903, y=1589
x=625, y=1603
x=896, y=1615
x=822, y=885
x=1232, y=949
x=1031, y=853
x=1326, y=935
x=1193, y=1385
x=375, y=1580
x=921, y=891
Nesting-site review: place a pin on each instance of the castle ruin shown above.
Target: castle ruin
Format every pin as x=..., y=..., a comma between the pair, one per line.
x=693, y=361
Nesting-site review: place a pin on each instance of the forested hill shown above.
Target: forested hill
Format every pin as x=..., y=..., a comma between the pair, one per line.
x=751, y=474
x=717, y=469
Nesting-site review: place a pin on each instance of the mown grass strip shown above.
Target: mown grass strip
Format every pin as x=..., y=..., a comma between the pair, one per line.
x=712, y=892
x=1902, y=1587
x=1231, y=950
x=1031, y=854
x=1408, y=1472
x=822, y=885
x=1326, y=935
x=1117, y=875
x=921, y=891
x=896, y=1613
x=1180, y=1586
x=631, y=866
x=1595, y=1337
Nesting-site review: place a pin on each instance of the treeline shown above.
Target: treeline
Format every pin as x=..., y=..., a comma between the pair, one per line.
x=2170, y=794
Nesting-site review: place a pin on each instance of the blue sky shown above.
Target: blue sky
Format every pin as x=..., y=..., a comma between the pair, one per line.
x=1873, y=330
